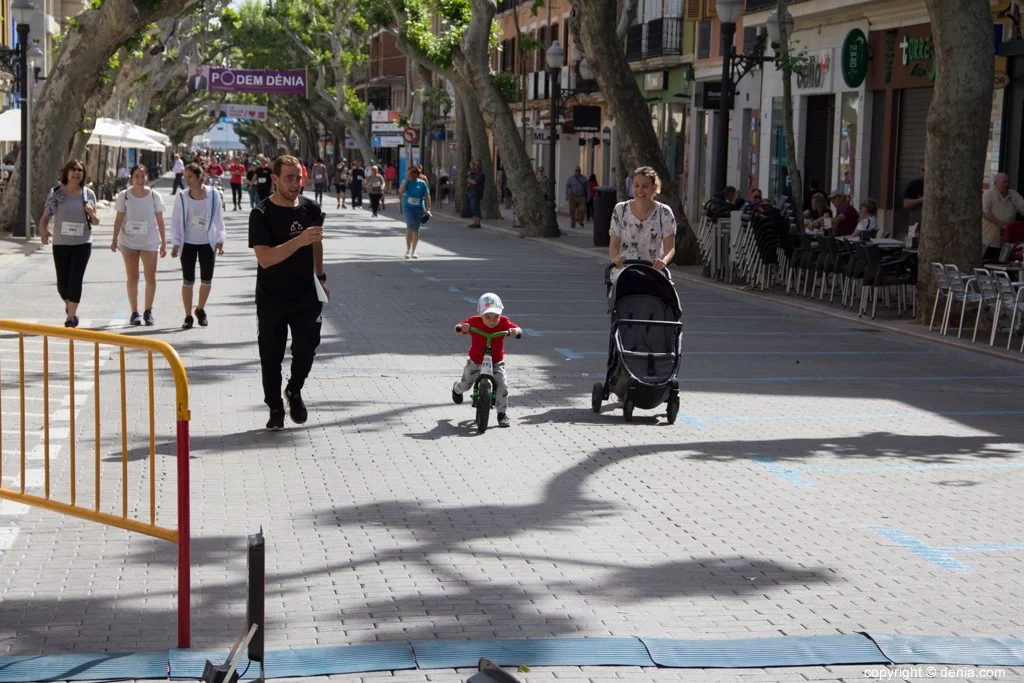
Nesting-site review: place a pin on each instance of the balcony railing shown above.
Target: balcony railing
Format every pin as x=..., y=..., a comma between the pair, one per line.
x=635, y=42
x=658, y=38
x=755, y=5
x=664, y=38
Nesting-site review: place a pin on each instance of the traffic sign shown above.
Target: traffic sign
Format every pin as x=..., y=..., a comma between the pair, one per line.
x=411, y=135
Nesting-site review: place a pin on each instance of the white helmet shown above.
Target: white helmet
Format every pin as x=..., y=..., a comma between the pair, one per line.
x=489, y=303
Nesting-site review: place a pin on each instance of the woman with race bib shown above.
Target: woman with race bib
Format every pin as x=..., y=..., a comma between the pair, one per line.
x=197, y=231
x=415, y=207
x=139, y=235
x=72, y=206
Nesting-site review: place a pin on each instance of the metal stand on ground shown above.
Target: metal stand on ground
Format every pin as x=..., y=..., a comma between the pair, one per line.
x=226, y=672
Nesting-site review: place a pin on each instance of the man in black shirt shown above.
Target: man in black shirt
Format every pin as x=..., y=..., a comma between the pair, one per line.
x=355, y=181
x=286, y=232
x=913, y=198
x=263, y=180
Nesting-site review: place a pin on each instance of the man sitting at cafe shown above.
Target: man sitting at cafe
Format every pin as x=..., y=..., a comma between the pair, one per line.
x=846, y=218
x=999, y=207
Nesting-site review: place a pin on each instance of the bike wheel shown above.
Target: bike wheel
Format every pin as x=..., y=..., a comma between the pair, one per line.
x=483, y=405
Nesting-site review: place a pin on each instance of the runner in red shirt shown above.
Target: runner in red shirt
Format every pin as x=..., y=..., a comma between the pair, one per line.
x=237, y=171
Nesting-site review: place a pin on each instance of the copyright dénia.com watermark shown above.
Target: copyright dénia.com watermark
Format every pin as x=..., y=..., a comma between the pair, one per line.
x=907, y=673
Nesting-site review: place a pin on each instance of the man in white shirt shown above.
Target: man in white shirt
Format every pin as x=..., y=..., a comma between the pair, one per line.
x=178, y=168
x=999, y=207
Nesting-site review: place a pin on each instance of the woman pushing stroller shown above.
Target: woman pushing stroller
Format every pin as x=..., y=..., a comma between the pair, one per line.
x=643, y=229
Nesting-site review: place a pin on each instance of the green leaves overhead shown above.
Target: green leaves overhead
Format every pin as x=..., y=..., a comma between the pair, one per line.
x=437, y=45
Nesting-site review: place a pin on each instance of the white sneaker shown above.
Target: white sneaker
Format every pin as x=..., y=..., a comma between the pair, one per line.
x=413, y=255
x=408, y=254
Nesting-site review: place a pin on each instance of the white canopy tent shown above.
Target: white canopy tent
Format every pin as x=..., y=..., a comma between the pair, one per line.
x=10, y=125
x=114, y=133
x=220, y=136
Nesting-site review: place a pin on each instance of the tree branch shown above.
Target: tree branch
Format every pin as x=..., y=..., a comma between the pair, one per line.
x=625, y=19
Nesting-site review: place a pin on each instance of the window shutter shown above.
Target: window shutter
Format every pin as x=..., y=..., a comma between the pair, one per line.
x=709, y=11
x=693, y=12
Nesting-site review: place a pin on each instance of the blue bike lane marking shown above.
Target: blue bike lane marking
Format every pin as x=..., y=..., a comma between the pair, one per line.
x=797, y=476
x=941, y=556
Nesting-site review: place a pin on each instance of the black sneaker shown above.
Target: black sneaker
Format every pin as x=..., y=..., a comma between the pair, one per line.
x=187, y=325
x=456, y=396
x=503, y=420
x=147, y=317
x=296, y=407
x=201, y=317
x=276, y=421
x=136, y=319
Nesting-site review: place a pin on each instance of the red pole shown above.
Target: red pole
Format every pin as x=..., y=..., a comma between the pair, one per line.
x=184, y=541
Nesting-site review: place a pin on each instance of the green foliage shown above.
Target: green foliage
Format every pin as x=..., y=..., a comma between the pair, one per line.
x=94, y=4
x=418, y=29
x=505, y=82
x=354, y=105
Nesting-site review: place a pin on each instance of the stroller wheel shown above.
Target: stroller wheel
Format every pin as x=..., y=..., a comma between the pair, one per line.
x=596, y=396
x=673, y=409
x=627, y=410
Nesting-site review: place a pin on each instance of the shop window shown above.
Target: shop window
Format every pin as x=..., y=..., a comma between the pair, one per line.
x=674, y=147
x=849, y=138
x=778, y=176
x=994, y=139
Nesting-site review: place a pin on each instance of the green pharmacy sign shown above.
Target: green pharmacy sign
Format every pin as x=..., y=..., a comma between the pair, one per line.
x=854, y=59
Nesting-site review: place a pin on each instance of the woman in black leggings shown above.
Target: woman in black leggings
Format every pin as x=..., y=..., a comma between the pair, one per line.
x=197, y=230
x=72, y=207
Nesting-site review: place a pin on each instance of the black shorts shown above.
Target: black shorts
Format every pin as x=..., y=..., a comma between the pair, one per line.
x=340, y=187
x=205, y=255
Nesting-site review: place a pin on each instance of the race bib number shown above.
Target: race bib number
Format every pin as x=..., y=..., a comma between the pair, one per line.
x=261, y=180
x=487, y=367
x=136, y=228
x=413, y=201
x=72, y=229
x=197, y=225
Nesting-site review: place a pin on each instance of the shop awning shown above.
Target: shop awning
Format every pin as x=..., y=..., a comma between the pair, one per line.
x=10, y=125
x=114, y=133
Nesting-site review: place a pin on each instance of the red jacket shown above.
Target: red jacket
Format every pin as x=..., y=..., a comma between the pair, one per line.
x=477, y=343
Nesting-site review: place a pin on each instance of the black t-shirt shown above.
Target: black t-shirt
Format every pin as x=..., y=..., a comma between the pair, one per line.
x=357, y=175
x=263, y=182
x=915, y=190
x=271, y=225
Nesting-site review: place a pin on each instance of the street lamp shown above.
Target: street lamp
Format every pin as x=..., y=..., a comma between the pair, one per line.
x=15, y=62
x=554, y=58
x=734, y=67
x=369, y=126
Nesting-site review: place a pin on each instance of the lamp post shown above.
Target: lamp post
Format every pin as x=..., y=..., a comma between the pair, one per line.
x=554, y=58
x=729, y=12
x=15, y=62
x=369, y=129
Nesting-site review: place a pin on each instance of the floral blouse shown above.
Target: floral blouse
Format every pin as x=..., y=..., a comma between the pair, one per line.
x=642, y=239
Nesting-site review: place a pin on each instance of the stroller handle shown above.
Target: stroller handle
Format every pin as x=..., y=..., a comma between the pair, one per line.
x=627, y=262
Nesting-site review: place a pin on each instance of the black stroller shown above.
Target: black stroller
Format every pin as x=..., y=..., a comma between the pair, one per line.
x=645, y=342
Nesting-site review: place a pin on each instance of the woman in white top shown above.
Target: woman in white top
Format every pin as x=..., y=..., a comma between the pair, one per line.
x=197, y=229
x=139, y=234
x=642, y=228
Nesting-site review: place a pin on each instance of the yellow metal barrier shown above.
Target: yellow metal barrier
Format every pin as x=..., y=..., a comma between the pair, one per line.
x=179, y=535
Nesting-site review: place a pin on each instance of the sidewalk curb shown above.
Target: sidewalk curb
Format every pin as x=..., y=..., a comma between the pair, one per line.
x=950, y=342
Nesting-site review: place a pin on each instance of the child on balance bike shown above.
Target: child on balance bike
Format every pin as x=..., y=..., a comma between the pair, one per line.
x=488, y=321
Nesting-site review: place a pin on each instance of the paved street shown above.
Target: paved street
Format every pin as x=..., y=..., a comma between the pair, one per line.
x=824, y=477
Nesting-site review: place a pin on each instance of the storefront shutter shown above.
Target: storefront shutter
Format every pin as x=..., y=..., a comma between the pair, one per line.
x=877, y=138
x=693, y=10
x=914, y=106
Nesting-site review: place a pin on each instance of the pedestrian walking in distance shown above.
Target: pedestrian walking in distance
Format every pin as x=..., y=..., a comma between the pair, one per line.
x=375, y=188
x=72, y=208
x=286, y=233
x=356, y=177
x=576, y=191
x=237, y=170
x=264, y=181
x=319, y=181
x=415, y=205
x=476, y=181
x=198, y=234
x=341, y=184
x=139, y=235
x=178, y=168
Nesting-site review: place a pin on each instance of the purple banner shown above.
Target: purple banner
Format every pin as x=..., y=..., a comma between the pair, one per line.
x=292, y=82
